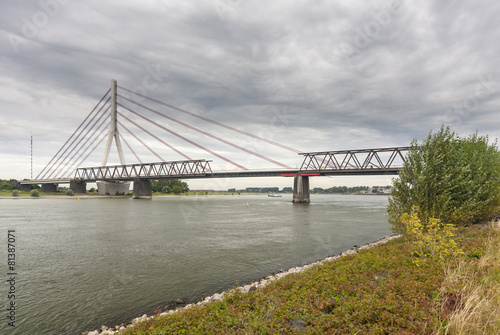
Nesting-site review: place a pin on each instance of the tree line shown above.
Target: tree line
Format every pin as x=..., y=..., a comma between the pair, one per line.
x=169, y=186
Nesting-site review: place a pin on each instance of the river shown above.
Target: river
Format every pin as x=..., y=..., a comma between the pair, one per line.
x=81, y=264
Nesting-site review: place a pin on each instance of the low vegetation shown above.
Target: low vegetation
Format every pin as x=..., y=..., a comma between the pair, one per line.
x=432, y=239
x=470, y=294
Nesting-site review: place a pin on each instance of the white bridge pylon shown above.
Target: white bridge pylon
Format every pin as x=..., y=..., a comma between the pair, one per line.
x=113, y=131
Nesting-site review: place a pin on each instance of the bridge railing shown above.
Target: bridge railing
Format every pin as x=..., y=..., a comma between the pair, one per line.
x=145, y=170
x=362, y=159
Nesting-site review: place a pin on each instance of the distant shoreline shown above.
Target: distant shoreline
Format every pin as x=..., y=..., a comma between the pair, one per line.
x=98, y=196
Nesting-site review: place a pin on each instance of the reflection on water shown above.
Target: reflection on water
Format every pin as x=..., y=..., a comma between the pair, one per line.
x=85, y=263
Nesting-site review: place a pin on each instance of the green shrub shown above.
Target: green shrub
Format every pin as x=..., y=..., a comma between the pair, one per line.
x=34, y=193
x=455, y=180
x=177, y=189
x=432, y=239
x=70, y=192
x=15, y=193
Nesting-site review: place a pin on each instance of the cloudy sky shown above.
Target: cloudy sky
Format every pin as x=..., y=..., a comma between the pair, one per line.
x=312, y=75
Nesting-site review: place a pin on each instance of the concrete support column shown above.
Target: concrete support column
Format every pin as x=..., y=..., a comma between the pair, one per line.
x=24, y=187
x=301, y=189
x=142, y=189
x=78, y=186
x=49, y=188
x=113, y=187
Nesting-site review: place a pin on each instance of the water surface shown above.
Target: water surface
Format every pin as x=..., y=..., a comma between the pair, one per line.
x=86, y=263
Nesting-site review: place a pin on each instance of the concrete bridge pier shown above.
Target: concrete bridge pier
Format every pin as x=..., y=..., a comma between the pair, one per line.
x=142, y=189
x=24, y=187
x=49, y=188
x=78, y=186
x=113, y=187
x=301, y=189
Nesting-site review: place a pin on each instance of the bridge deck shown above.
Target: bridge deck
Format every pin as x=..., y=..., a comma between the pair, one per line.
x=379, y=161
x=234, y=174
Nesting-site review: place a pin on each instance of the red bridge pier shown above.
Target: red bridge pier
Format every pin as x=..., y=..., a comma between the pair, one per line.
x=301, y=189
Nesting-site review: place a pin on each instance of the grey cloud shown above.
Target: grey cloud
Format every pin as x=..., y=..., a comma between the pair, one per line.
x=347, y=74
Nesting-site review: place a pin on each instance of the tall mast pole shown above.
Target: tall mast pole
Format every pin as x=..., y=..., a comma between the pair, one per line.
x=31, y=156
x=113, y=130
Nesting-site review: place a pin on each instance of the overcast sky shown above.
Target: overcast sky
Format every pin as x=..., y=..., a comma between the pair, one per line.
x=313, y=75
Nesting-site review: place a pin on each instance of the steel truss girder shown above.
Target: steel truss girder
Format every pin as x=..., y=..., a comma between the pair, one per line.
x=174, y=169
x=351, y=159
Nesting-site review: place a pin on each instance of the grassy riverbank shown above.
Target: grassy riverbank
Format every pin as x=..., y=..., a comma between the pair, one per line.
x=62, y=195
x=382, y=290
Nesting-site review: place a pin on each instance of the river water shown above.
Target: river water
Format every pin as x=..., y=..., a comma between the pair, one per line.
x=81, y=264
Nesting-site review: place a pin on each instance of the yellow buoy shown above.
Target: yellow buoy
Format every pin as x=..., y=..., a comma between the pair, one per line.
x=247, y=203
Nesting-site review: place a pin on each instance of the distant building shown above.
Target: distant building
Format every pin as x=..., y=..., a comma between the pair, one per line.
x=262, y=189
x=380, y=189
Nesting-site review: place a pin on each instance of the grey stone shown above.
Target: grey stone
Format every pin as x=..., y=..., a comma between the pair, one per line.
x=298, y=323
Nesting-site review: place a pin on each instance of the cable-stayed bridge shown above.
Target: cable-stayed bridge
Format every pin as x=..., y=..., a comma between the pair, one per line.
x=123, y=117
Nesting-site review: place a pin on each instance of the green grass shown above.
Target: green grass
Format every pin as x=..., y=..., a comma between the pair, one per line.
x=378, y=291
x=9, y=193
x=27, y=194
x=470, y=295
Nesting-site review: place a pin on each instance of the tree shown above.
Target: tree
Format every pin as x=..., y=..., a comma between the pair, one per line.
x=166, y=185
x=158, y=185
x=453, y=179
x=6, y=185
x=177, y=189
